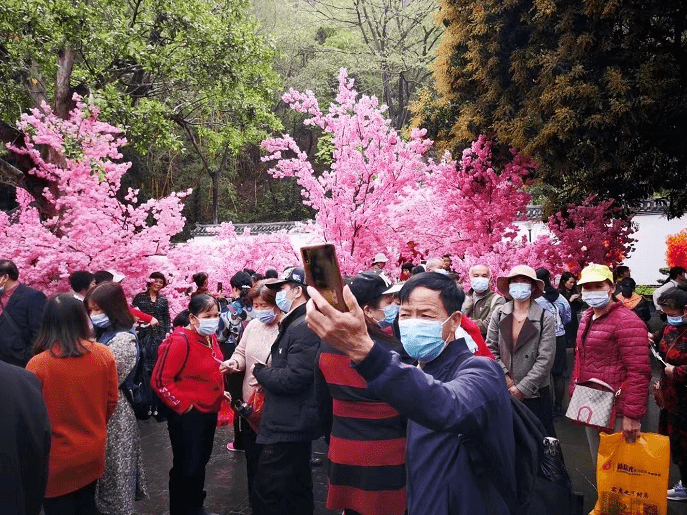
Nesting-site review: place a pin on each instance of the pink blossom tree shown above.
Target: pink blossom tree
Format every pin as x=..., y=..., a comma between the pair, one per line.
x=593, y=232
x=92, y=229
x=372, y=166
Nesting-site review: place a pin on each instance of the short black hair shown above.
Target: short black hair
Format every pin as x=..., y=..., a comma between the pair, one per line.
x=8, y=267
x=674, y=272
x=407, y=266
x=673, y=298
x=102, y=276
x=450, y=294
x=81, y=280
x=64, y=327
x=202, y=303
x=159, y=275
x=628, y=282
x=419, y=269
x=181, y=320
x=271, y=273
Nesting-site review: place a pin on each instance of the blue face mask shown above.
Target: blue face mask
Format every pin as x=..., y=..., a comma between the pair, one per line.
x=596, y=299
x=479, y=284
x=100, y=320
x=675, y=321
x=266, y=316
x=282, y=302
x=422, y=338
x=390, y=313
x=520, y=291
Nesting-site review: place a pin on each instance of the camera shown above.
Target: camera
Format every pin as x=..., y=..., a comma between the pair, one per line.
x=242, y=408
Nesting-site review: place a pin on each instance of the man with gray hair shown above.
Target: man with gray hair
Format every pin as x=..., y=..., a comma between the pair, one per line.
x=436, y=265
x=481, y=300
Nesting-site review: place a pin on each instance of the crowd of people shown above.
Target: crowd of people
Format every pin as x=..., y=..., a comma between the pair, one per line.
x=406, y=386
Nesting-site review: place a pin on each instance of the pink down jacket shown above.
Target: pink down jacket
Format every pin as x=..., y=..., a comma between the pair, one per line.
x=615, y=349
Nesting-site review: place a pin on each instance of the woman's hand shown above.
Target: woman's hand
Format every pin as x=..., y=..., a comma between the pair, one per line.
x=153, y=322
x=631, y=429
x=227, y=397
x=230, y=366
x=513, y=390
x=669, y=371
x=574, y=297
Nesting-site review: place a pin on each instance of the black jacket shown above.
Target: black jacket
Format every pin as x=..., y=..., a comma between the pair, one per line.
x=19, y=324
x=24, y=442
x=290, y=413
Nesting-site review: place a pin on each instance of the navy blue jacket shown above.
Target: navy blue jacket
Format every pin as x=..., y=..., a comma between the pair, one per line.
x=290, y=413
x=24, y=442
x=25, y=306
x=449, y=417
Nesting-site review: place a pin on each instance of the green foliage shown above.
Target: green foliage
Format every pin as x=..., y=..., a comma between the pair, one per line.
x=595, y=90
x=645, y=289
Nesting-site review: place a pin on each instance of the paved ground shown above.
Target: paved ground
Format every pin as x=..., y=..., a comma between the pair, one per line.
x=226, y=479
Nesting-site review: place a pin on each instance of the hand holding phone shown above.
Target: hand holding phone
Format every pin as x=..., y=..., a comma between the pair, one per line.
x=322, y=272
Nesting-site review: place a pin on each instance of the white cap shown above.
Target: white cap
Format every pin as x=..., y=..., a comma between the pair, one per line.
x=116, y=276
x=394, y=288
x=380, y=258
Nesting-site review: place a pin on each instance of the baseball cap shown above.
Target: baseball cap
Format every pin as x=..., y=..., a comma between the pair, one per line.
x=595, y=273
x=368, y=286
x=295, y=275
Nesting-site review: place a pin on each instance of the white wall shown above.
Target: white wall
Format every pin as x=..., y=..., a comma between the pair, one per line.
x=649, y=250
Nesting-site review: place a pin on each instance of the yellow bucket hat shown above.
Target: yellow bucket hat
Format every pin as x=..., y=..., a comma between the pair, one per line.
x=595, y=274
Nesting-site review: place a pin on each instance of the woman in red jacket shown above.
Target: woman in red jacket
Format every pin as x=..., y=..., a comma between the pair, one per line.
x=188, y=380
x=79, y=380
x=613, y=346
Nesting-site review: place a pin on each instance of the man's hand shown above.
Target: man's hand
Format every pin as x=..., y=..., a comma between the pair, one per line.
x=631, y=429
x=346, y=332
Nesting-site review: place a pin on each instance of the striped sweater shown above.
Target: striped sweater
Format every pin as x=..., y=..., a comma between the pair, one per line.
x=367, y=470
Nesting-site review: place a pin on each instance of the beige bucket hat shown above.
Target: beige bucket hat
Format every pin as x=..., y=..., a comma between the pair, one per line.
x=524, y=270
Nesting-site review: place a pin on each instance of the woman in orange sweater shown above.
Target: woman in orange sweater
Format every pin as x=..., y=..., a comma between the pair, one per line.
x=79, y=379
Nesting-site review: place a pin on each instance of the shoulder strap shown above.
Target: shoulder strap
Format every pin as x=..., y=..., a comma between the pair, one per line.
x=10, y=320
x=494, y=300
x=188, y=351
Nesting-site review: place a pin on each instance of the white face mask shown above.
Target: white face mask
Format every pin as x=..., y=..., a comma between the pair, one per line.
x=520, y=291
x=479, y=284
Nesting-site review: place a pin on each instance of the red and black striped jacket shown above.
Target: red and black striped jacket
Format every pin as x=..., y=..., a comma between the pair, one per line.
x=367, y=444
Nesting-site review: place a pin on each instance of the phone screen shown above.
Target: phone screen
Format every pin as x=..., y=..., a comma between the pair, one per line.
x=322, y=272
x=219, y=286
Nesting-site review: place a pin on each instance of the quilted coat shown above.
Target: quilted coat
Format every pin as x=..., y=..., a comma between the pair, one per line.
x=615, y=349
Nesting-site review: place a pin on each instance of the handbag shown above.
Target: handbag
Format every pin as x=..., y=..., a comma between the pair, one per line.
x=592, y=406
x=257, y=403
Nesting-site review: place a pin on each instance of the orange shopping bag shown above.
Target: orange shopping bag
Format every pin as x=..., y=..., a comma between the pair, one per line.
x=632, y=478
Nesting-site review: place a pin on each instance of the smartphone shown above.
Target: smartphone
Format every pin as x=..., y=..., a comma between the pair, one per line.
x=323, y=273
x=219, y=286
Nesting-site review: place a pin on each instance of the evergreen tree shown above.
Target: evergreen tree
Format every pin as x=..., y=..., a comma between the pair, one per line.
x=595, y=90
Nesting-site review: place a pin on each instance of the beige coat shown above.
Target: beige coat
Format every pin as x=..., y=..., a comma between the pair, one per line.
x=529, y=360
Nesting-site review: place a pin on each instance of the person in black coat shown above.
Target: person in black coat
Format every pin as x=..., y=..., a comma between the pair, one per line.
x=22, y=311
x=24, y=442
x=289, y=424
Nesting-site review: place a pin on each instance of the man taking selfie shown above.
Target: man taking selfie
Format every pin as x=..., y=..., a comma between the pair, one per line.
x=457, y=405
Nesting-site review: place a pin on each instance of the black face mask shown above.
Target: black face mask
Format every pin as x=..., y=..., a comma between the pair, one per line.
x=627, y=292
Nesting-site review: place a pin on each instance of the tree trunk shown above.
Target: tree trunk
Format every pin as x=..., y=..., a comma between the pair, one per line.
x=215, y=195
x=63, y=97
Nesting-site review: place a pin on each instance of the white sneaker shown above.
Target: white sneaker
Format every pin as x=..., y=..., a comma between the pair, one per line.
x=678, y=492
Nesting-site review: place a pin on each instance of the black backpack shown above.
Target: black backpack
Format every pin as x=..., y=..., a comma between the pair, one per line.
x=543, y=485
x=136, y=387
